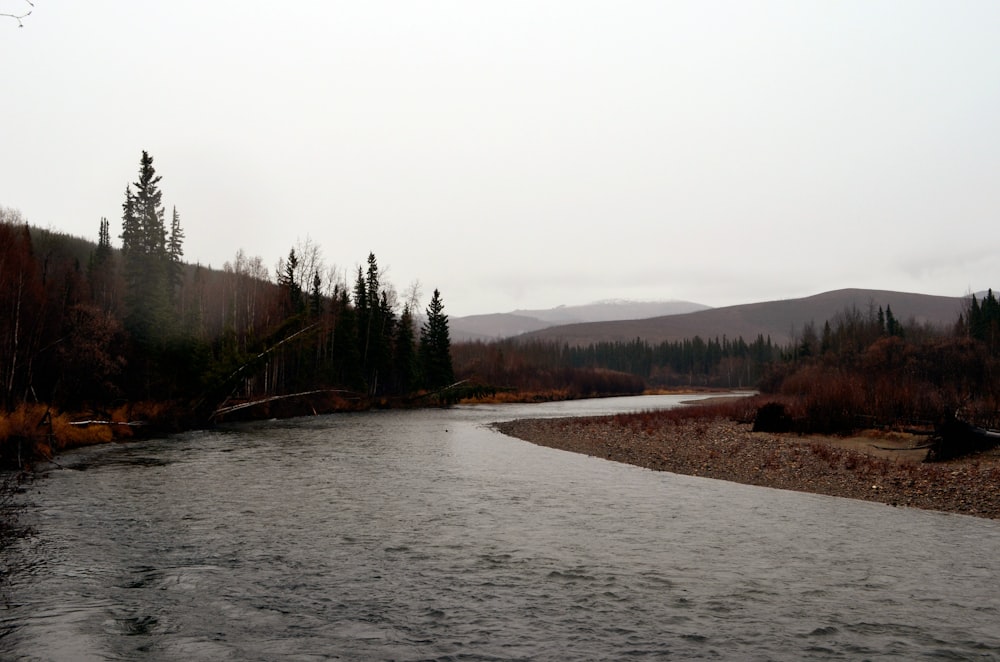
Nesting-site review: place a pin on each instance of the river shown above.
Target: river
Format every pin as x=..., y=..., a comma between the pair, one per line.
x=426, y=535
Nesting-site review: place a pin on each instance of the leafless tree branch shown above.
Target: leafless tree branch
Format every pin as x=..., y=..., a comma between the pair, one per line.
x=18, y=17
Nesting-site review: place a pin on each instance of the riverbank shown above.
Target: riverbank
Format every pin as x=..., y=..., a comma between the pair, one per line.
x=726, y=450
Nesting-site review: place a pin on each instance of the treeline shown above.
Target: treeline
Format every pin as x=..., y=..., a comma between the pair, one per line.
x=539, y=369
x=85, y=327
x=690, y=362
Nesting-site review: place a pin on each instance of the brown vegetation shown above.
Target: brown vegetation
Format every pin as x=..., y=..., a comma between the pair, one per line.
x=33, y=431
x=537, y=370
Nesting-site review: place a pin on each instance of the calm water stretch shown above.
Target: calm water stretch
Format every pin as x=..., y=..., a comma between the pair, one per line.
x=417, y=535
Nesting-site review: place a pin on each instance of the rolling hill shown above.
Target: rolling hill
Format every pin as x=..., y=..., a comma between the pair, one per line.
x=781, y=320
x=504, y=325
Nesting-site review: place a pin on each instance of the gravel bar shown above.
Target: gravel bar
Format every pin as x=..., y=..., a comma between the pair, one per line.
x=726, y=450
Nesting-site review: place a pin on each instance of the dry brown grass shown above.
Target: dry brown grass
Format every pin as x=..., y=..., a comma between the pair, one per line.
x=515, y=397
x=740, y=409
x=32, y=431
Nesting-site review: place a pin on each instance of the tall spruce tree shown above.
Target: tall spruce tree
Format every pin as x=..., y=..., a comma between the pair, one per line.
x=344, y=348
x=287, y=279
x=146, y=259
x=404, y=359
x=375, y=326
x=175, y=251
x=381, y=357
x=435, y=347
x=100, y=270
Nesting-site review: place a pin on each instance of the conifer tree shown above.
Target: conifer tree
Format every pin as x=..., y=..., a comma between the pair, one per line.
x=892, y=325
x=104, y=240
x=346, y=358
x=294, y=303
x=381, y=355
x=175, y=251
x=435, y=347
x=144, y=250
x=100, y=270
x=404, y=359
x=316, y=296
x=375, y=326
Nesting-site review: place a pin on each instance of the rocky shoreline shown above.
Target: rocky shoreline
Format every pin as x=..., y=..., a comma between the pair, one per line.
x=726, y=450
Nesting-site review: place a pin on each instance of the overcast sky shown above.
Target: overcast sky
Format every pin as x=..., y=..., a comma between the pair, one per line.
x=528, y=154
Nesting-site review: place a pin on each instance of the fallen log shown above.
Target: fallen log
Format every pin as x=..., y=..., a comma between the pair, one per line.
x=131, y=424
x=221, y=411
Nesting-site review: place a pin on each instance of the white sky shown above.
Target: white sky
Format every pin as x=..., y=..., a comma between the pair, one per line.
x=526, y=154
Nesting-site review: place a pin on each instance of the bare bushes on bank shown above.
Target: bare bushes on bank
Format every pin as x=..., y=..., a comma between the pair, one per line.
x=530, y=370
x=892, y=383
x=740, y=409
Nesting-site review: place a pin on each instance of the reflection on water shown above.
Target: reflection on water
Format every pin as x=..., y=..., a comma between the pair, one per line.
x=426, y=535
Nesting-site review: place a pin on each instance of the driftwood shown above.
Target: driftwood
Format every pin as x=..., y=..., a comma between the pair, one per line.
x=232, y=377
x=441, y=393
x=905, y=448
x=221, y=411
x=131, y=424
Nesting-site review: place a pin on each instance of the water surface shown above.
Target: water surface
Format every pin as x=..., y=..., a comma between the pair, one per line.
x=427, y=535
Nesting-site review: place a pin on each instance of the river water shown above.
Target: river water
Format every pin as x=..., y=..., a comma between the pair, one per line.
x=426, y=535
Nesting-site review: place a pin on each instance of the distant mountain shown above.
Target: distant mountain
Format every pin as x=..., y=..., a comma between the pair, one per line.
x=781, y=320
x=505, y=325
x=612, y=310
x=493, y=326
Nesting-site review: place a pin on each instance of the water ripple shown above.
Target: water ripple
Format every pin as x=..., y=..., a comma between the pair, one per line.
x=381, y=536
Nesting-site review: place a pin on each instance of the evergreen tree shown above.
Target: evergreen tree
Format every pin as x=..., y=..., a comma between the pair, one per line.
x=826, y=344
x=344, y=349
x=294, y=304
x=175, y=251
x=404, y=359
x=148, y=209
x=144, y=249
x=381, y=355
x=984, y=320
x=316, y=296
x=103, y=240
x=100, y=270
x=435, y=347
x=375, y=326
x=362, y=312
x=131, y=233
x=892, y=325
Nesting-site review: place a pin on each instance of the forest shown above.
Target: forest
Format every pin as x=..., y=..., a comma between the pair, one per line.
x=118, y=337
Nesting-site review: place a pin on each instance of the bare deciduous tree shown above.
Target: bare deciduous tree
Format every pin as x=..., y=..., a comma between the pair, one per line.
x=19, y=17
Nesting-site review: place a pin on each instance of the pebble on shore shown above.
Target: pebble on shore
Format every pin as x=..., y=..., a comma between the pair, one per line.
x=726, y=450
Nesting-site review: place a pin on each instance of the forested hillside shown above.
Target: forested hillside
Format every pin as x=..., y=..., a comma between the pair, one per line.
x=858, y=368
x=782, y=321
x=93, y=328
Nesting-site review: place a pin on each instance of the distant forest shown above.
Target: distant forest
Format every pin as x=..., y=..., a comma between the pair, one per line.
x=87, y=327
x=859, y=368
